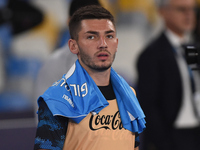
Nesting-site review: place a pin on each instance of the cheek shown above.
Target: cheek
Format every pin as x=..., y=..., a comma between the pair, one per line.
x=86, y=51
x=88, y=44
x=175, y=21
x=114, y=46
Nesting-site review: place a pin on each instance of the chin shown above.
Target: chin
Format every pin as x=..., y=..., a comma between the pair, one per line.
x=102, y=67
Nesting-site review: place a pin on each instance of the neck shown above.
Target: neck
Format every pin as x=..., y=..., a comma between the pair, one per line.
x=179, y=33
x=100, y=78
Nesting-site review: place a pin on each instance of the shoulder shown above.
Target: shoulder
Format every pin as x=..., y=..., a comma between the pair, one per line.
x=157, y=42
x=155, y=48
x=133, y=90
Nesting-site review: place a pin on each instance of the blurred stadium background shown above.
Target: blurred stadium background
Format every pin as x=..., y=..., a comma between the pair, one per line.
x=30, y=30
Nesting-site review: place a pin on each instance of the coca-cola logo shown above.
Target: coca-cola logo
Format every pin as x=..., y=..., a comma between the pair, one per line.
x=110, y=122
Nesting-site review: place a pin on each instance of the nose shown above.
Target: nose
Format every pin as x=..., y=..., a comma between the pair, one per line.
x=102, y=43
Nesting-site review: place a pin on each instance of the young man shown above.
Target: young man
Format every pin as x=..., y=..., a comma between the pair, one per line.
x=91, y=107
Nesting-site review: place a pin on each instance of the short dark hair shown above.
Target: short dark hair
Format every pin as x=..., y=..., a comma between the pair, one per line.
x=87, y=12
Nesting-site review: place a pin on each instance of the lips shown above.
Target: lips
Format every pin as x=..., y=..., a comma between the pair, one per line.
x=103, y=55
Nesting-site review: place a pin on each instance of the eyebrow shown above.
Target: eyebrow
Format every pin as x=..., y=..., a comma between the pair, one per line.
x=110, y=31
x=96, y=33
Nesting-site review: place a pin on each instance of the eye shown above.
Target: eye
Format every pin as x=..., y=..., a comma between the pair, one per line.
x=110, y=36
x=90, y=37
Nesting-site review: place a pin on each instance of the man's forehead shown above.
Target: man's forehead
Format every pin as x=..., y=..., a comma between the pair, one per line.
x=97, y=24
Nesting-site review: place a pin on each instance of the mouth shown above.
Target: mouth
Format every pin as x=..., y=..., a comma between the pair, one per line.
x=103, y=55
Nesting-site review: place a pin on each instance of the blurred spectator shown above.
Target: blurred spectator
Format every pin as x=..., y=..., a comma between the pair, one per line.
x=196, y=32
x=21, y=15
x=165, y=84
x=16, y=17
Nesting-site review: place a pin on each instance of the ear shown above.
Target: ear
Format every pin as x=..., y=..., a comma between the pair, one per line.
x=73, y=46
x=117, y=44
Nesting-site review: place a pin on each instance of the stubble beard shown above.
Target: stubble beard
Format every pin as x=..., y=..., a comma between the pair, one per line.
x=87, y=60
